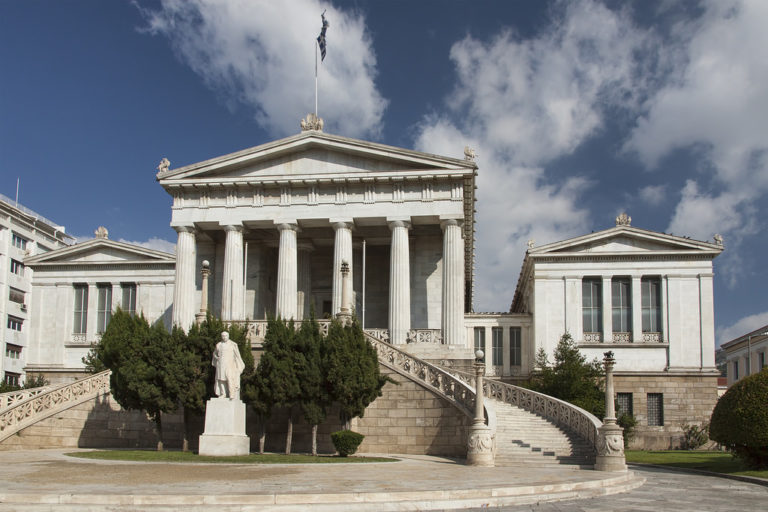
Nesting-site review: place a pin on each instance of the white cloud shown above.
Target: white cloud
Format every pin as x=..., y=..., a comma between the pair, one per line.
x=717, y=106
x=261, y=53
x=654, y=195
x=741, y=327
x=155, y=243
x=522, y=104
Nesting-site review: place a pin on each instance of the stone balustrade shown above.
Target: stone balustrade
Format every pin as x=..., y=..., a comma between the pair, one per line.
x=569, y=416
x=14, y=397
x=425, y=336
x=49, y=402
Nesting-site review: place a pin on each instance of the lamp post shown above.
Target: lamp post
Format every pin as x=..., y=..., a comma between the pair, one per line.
x=345, y=314
x=480, y=442
x=610, y=444
x=205, y=271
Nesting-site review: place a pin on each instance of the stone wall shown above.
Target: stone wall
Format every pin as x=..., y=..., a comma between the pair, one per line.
x=410, y=419
x=406, y=419
x=686, y=399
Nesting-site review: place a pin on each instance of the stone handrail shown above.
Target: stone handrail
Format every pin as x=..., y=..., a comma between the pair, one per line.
x=50, y=402
x=582, y=423
x=13, y=397
x=432, y=377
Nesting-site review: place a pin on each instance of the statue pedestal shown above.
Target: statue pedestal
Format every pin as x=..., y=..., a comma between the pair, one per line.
x=224, y=428
x=610, y=449
x=480, y=446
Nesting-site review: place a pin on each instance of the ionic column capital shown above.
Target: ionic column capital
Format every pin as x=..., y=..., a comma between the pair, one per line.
x=342, y=223
x=232, y=227
x=399, y=223
x=292, y=226
x=184, y=229
x=445, y=223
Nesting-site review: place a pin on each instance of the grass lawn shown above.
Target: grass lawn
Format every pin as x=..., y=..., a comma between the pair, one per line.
x=253, y=458
x=717, y=462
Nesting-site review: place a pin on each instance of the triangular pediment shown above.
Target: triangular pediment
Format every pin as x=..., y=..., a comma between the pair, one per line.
x=314, y=154
x=625, y=240
x=100, y=251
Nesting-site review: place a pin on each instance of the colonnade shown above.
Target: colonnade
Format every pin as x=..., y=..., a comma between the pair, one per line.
x=293, y=275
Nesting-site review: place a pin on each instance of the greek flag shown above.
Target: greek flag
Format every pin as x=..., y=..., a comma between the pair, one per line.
x=321, y=37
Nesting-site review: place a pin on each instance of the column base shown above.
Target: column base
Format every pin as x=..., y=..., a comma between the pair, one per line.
x=480, y=446
x=610, y=449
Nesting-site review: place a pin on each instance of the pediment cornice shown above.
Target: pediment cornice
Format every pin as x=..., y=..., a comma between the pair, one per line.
x=130, y=255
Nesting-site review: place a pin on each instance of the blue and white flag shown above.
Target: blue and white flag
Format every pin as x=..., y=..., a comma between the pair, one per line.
x=321, y=37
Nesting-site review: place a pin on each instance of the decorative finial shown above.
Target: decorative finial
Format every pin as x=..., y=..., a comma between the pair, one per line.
x=623, y=220
x=312, y=122
x=469, y=154
x=718, y=239
x=531, y=243
x=164, y=165
x=101, y=232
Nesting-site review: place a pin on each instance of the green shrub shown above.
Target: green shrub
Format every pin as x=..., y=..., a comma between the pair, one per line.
x=628, y=423
x=694, y=436
x=346, y=442
x=740, y=420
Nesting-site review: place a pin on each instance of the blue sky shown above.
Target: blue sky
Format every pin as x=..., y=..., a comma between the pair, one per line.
x=577, y=110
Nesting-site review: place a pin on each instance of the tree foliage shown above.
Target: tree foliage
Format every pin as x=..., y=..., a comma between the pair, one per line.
x=353, y=378
x=740, y=419
x=571, y=378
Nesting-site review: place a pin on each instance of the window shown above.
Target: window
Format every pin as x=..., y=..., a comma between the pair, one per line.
x=624, y=403
x=14, y=323
x=761, y=360
x=515, y=346
x=129, y=298
x=103, y=307
x=12, y=351
x=651, y=291
x=15, y=295
x=19, y=241
x=655, y=410
x=497, y=344
x=480, y=340
x=592, y=304
x=81, y=309
x=17, y=267
x=735, y=371
x=12, y=379
x=621, y=298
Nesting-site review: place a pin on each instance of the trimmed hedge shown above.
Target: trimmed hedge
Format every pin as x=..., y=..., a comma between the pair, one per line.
x=346, y=442
x=740, y=419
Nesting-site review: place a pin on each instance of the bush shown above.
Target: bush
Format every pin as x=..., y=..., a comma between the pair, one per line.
x=628, y=423
x=740, y=420
x=346, y=442
x=694, y=436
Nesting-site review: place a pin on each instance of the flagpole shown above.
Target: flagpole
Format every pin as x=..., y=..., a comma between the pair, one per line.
x=316, y=45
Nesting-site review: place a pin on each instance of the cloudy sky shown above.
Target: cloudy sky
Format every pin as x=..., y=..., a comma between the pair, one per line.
x=578, y=111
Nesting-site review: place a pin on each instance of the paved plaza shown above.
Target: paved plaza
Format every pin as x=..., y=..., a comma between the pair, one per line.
x=48, y=480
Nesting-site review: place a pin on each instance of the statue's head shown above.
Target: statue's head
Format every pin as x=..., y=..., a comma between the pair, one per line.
x=225, y=336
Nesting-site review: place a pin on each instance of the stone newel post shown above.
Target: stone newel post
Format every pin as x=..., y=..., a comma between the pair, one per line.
x=480, y=442
x=205, y=272
x=345, y=313
x=610, y=445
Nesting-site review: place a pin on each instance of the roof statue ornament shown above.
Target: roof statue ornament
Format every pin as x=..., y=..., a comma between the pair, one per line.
x=312, y=122
x=623, y=220
x=101, y=232
x=718, y=239
x=531, y=243
x=164, y=165
x=469, y=154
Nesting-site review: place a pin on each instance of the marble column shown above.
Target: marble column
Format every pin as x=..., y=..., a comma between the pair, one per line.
x=287, y=272
x=607, y=310
x=304, y=280
x=232, y=286
x=453, y=283
x=342, y=251
x=399, y=283
x=637, y=310
x=184, y=285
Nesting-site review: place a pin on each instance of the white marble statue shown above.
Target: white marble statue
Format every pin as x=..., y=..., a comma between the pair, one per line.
x=229, y=365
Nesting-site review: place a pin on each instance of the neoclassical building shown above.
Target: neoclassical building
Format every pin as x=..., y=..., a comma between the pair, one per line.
x=277, y=221
x=275, y=228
